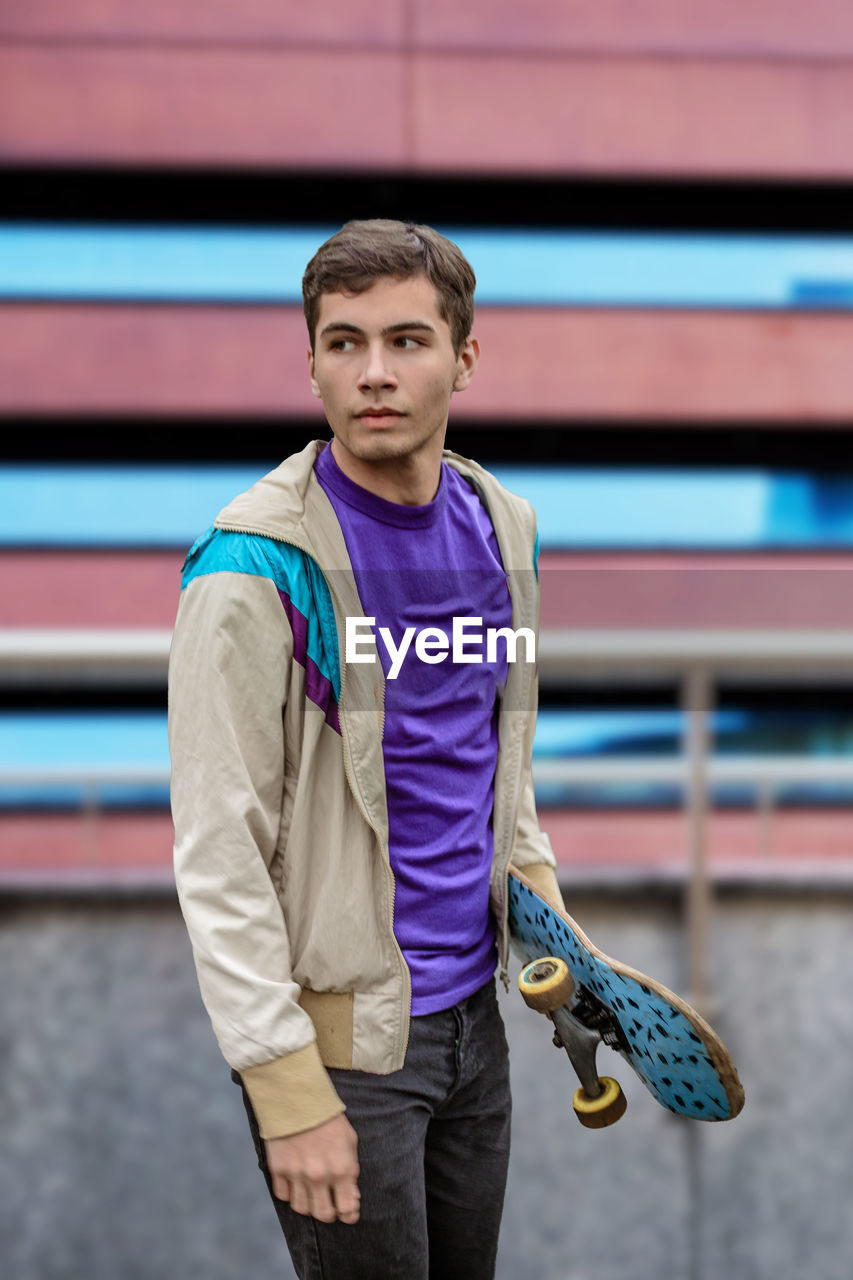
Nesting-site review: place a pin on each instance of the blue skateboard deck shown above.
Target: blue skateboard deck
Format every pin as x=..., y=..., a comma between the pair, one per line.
x=676, y=1054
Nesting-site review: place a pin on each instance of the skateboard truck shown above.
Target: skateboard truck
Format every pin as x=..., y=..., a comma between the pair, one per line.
x=547, y=986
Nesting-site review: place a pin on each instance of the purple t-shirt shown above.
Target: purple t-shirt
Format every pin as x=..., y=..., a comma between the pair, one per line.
x=421, y=567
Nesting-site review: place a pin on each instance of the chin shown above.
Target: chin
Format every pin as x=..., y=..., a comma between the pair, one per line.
x=375, y=448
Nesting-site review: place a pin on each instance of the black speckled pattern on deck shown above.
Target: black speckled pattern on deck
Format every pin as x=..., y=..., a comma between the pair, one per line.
x=667, y=1053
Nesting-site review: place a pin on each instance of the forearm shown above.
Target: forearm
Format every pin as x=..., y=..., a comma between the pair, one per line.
x=532, y=853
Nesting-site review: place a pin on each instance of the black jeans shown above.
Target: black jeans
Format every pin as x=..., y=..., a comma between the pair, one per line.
x=433, y=1148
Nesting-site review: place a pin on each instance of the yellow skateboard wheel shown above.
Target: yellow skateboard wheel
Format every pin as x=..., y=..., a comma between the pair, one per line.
x=606, y=1109
x=546, y=983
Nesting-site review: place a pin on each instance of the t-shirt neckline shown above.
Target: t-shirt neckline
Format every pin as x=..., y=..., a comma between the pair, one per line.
x=370, y=504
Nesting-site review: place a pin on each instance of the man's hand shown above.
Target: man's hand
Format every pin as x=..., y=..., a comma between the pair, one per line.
x=317, y=1171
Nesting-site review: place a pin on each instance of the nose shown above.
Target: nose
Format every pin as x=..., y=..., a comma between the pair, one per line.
x=376, y=371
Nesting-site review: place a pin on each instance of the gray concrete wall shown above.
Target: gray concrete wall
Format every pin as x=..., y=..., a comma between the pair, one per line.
x=124, y=1153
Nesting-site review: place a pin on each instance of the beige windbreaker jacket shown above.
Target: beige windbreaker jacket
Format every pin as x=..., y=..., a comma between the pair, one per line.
x=278, y=792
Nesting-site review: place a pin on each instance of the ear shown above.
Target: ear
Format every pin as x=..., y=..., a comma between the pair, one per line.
x=315, y=388
x=467, y=360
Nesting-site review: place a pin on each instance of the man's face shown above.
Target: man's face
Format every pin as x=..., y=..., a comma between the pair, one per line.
x=384, y=367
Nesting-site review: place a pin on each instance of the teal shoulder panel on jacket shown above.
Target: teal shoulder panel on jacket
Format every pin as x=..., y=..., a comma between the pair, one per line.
x=300, y=582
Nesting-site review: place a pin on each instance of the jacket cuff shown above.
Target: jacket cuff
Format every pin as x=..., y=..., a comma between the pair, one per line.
x=544, y=880
x=291, y=1094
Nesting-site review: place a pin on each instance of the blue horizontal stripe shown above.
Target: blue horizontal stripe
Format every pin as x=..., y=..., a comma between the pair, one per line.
x=563, y=733
x=100, y=739
x=168, y=264
x=83, y=741
x=104, y=505
x=167, y=506
x=514, y=267
x=652, y=732
x=138, y=739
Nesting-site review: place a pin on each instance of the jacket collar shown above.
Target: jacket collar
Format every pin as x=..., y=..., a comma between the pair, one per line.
x=290, y=505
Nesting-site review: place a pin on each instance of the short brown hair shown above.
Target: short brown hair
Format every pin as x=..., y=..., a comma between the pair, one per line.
x=363, y=252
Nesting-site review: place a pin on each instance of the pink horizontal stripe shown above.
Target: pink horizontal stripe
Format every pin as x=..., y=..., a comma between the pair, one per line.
x=760, y=592
x=85, y=842
x=559, y=113
x=140, y=589
x=181, y=359
x=634, y=364
x=825, y=28
x=537, y=363
x=40, y=845
x=641, y=838
x=335, y=22
x=553, y=112
x=89, y=589
x=786, y=27
x=160, y=105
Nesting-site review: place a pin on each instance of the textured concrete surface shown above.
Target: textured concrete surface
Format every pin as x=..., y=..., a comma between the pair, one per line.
x=125, y=1154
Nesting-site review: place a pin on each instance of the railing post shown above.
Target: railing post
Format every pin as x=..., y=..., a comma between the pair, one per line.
x=765, y=794
x=696, y=702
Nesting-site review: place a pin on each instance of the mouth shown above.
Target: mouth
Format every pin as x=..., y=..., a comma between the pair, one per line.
x=379, y=417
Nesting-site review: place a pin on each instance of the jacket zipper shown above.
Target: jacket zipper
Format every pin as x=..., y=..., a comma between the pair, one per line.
x=392, y=897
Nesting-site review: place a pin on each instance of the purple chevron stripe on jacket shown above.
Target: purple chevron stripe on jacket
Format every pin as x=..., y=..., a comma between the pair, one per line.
x=318, y=688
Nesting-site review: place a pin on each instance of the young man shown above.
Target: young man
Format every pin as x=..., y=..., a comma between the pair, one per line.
x=351, y=777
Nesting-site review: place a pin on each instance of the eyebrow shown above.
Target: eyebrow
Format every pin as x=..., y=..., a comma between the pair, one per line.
x=407, y=326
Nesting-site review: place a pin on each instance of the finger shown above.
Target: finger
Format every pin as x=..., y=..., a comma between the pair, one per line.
x=322, y=1205
x=348, y=1205
x=300, y=1198
x=280, y=1187
x=347, y=1201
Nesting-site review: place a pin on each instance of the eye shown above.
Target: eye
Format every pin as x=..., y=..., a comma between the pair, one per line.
x=406, y=343
x=341, y=344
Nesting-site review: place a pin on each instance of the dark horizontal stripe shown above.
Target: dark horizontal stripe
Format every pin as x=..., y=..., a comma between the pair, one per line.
x=817, y=697
x=245, y=195
x=168, y=440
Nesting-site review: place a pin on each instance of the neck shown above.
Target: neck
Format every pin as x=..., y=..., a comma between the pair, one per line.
x=410, y=482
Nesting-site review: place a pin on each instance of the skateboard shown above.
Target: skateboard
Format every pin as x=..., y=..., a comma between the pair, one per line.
x=591, y=998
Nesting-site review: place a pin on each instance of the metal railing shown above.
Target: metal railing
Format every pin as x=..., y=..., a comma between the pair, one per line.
x=84, y=656
x=76, y=653
x=696, y=660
